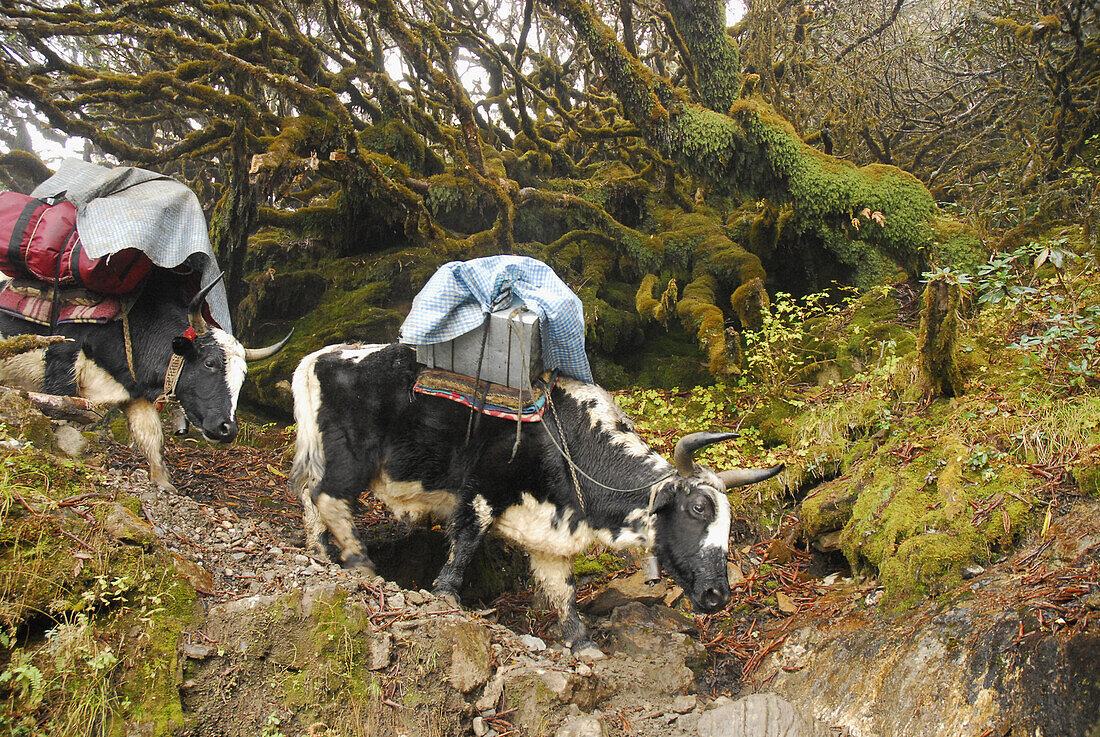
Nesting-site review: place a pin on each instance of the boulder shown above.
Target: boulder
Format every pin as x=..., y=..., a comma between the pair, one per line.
x=471, y=664
x=125, y=526
x=650, y=631
x=625, y=590
x=757, y=715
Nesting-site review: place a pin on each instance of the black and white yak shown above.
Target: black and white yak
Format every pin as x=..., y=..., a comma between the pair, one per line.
x=360, y=426
x=163, y=323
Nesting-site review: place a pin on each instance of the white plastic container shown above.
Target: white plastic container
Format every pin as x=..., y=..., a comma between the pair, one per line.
x=513, y=350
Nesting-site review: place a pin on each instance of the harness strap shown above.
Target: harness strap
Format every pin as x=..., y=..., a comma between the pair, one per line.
x=565, y=452
x=171, y=376
x=128, y=343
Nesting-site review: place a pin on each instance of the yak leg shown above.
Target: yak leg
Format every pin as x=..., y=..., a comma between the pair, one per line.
x=334, y=498
x=469, y=521
x=317, y=535
x=555, y=575
x=335, y=513
x=148, y=435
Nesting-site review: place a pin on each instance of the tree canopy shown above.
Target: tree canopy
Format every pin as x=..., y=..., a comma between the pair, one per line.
x=665, y=164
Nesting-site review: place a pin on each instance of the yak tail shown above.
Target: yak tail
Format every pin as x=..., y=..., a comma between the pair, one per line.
x=309, y=449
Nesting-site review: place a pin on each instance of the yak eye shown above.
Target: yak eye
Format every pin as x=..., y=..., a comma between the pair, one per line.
x=210, y=363
x=699, y=509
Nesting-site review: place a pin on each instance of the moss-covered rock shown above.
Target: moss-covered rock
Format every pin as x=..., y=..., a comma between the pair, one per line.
x=1086, y=471
x=459, y=204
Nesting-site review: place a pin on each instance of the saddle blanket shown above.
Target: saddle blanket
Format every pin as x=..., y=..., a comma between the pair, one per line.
x=490, y=399
x=32, y=301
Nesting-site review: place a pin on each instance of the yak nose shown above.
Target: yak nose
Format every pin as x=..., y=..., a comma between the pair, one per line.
x=224, y=432
x=712, y=599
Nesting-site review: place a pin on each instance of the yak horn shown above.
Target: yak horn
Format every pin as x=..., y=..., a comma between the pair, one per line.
x=689, y=445
x=194, y=310
x=745, y=476
x=257, y=354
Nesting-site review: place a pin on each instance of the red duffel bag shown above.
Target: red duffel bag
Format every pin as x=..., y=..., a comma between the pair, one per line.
x=39, y=241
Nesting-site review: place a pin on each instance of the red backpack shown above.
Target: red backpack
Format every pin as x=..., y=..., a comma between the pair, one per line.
x=39, y=241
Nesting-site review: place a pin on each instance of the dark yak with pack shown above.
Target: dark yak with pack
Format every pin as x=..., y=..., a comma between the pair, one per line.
x=137, y=335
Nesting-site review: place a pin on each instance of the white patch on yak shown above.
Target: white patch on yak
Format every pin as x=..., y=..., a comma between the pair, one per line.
x=718, y=531
x=235, y=366
x=25, y=371
x=95, y=384
x=553, y=573
x=483, y=511
x=537, y=527
x=336, y=514
x=605, y=415
x=148, y=436
x=409, y=499
x=309, y=451
x=637, y=531
x=358, y=353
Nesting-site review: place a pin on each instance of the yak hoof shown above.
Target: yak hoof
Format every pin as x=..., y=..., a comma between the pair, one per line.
x=449, y=593
x=359, y=563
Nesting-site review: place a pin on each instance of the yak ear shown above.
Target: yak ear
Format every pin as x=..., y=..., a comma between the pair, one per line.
x=181, y=346
x=665, y=496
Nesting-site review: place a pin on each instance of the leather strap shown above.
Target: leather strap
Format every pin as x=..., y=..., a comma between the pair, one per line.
x=15, y=243
x=171, y=376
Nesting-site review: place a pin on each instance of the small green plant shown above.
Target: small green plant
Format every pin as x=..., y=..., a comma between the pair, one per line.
x=271, y=729
x=779, y=353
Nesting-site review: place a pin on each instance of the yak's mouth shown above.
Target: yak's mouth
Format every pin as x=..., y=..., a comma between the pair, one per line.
x=214, y=431
x=710, y=599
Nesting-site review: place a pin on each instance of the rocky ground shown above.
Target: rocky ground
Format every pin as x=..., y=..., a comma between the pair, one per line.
x=233, y=528
x=1013, y=644
x=281, y=644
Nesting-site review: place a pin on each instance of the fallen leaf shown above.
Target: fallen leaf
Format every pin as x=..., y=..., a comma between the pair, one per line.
x=786, y=603
x=276, y=471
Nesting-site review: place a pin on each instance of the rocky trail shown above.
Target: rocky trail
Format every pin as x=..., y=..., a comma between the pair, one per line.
x=497, y=670
x=1018, y=642
x=280, y=644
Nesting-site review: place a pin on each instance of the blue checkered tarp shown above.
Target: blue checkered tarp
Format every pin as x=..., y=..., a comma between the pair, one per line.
x=127, y=207
x=460, y=294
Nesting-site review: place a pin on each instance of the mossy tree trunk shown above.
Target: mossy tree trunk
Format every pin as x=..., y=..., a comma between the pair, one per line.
x=232, y=222
x=751, y=149
x=937, y=370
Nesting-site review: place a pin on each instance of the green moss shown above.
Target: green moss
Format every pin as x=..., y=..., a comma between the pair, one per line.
x=460, y=204
x=748, y=301
x=833, y=194
x=958, y=246
x=929, y=563
x=598, y=564
x=1086, y=471
x=774, y=421
x=828, y=509
x=118, y=612
x=341, y=316
x=699, y=313
x=397, y=139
